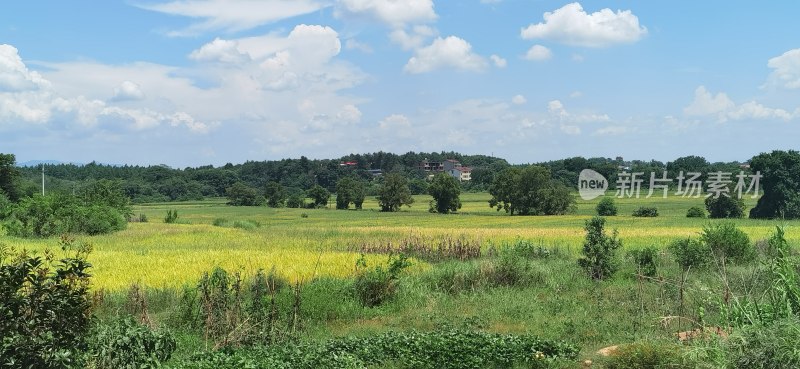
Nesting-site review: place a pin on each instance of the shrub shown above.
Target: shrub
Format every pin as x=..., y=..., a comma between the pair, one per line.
x=690, y=253
x=599, y=250
x=55, y=214
x=724, y=207
x=45, y=307
x=606, y=207
x=241, y=194
x=646, y=260
x=6, y=206
x=143, y=218
x=171, y=217
x=126, y=344
x=646, y=355
x=373, y=286
x=646, y=212
x=319, y=196
x=695, y=212
x=729, y=242
x=295, y=201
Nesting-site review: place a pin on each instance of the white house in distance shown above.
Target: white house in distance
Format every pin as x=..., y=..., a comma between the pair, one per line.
x=449, y=166
x=461, y=173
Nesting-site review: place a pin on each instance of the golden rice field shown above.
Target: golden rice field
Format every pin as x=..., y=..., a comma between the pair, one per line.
x=156, y=254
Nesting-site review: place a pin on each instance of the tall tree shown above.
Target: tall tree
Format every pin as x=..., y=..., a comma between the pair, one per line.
x=350, y=190
x=319, y=196
x=8, y=176
x=781, y=185
x=445, y=191
x=529, y=191
x=394, y=193
x=276, y=195
x=241, y=194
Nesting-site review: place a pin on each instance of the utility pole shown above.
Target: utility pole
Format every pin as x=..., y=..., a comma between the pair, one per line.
x=42, y=179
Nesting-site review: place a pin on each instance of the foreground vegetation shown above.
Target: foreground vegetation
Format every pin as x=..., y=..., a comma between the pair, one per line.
x=474, y=273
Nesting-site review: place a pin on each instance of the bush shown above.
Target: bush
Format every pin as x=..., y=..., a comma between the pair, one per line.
x=125, y=344
x=646, y=260
x=55, y=214
x=241, y=194
x=606, y=207
x=296, y=201
x=319, y=196
x=171, y=217
x=646, y=212
x=45, y=308
x=143, y=218
x=695, y=212
x=599, y=250
x=690, y=253
x=724, y=207
x=728, y=242
x=373, y=286
x=6, y=206
x=646, y=355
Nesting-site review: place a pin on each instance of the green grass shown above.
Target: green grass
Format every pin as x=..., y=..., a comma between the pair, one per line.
x=561, y=303
x=170, y=255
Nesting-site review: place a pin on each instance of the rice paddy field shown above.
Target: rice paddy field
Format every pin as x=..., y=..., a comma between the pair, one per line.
x=305, y=243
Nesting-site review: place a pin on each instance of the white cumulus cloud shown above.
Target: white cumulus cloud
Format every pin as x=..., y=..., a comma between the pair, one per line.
x=127, y=91
x=233, y=15
x=722, y=108
x=413, y=39
x=538, y=53
x=572, y=25
x=498, y=61
x=395, y=13
x=450, y=52
x=14, y=75
x=786, y=71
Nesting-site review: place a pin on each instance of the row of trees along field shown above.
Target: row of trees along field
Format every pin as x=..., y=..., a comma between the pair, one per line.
x=96, y=198
x=161, y=183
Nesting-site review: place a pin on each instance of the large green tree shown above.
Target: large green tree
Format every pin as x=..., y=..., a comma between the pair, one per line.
x=780, y=184
x=319, y=196
x=350, y=190
x=8, y=176
x=276, y=195
x=445, y=191
x=394, y=193
x=530, y=191
x=241, y=194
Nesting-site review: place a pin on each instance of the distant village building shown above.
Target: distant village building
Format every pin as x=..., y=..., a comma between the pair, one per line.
x=431, y=166
x=461, y=173
x=449, y=166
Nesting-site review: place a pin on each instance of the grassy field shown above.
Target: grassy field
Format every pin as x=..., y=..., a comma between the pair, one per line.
x=310, y=245
x=303, y=243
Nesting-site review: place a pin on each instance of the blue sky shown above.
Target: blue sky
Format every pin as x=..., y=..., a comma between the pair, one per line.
x=196, y=82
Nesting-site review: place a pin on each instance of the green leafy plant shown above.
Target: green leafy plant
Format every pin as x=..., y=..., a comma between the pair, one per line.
x=45, y=307
x=126, y=344
x=729, y=242
x=646, y=260
x=695, y=212
x=606, y=207
x=646, y=212
x=690, y=253
x=171, y=217
x=599, y=250
x=373, y=286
